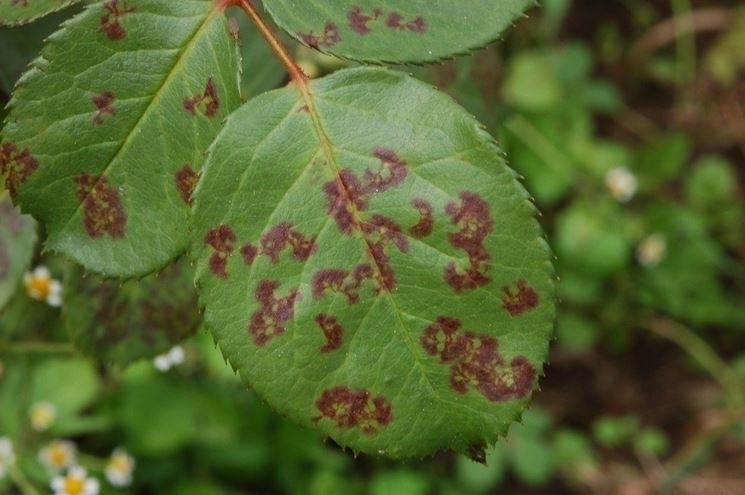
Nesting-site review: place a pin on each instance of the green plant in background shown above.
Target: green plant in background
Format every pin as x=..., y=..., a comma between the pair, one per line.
x=341, y=266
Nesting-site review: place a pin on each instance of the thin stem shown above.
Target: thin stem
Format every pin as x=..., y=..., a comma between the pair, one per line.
x=21, y=481
x=699, y=350
x=686, y=41
x=296, y=73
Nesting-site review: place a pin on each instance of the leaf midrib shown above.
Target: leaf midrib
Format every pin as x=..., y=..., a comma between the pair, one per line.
x=159, y=93
x=327, y=146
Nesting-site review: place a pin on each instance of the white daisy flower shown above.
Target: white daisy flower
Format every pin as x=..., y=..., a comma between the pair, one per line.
x=7, y=456
x=75, y=482
x=41, y=286
x=42, y=415
x=120, y=468
x=652, y=250
x=621, y=183
x=58, y=455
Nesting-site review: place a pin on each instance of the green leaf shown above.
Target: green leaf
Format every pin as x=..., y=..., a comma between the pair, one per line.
x=344, y=232
x=15, y=12
x=70, y=384
x=17, y=240
x=396, y=30
x=261, y=69
x=121, y=322
x=108, y=129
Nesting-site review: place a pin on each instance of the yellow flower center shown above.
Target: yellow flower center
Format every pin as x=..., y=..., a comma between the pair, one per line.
x=74, y=486
x=58, y=456
x=120, y=463
x=39, y=287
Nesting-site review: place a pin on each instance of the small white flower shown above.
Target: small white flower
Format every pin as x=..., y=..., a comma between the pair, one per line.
x=7, y=456
x=41, y=286
x=120, y=468
x=177, y=355
x=75, y=482
x=621, y=183
x=652, y=250
x=42, y=415
x=58, y=455
x=168, y=360
x=162, y=362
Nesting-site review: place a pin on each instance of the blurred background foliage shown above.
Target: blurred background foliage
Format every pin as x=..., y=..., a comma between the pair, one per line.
x=626, y=120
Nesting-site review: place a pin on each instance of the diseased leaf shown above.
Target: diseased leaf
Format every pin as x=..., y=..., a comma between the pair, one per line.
x=121, y=322
x=371, y=266
x=107, y=132
x=15, y=12
x=396, y=30
x=17, y=240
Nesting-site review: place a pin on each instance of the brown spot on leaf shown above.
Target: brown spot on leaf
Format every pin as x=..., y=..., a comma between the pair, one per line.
x=330, y=36
x=16, y=165
x=355, y=409
x=207, y=102
x=111, y=20
x=332, y=330
x=519, y=298
x=269, y=320
x=426, y=218
x=397, y=21
x=249, y=253
x=380, y=232
x=276, y=239
x=104, y=103
x=103, y=212
x=234, y=27
x=222, y=239
x=342, y=282
x=359, y=21
x=186, y=181
x=347, y=194
x=473, y=215
x=475, y=362
x=285, y=235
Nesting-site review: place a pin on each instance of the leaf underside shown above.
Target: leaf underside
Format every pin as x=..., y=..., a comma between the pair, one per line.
x=108, y=129
x=370, y=265
x=121, y=322
x=396, y=31
x=16, y=12
x=17, y=239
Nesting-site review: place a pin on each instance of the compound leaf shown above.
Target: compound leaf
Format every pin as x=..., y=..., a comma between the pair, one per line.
x=15, y=12
x=396, y=30
x=108, y=129
x=121, y=322
x=371, y=266
x=17, y=240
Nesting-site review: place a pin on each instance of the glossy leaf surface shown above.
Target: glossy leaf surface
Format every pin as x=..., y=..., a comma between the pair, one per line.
x=371, y=266
x=396, y=30
x=108, y=129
